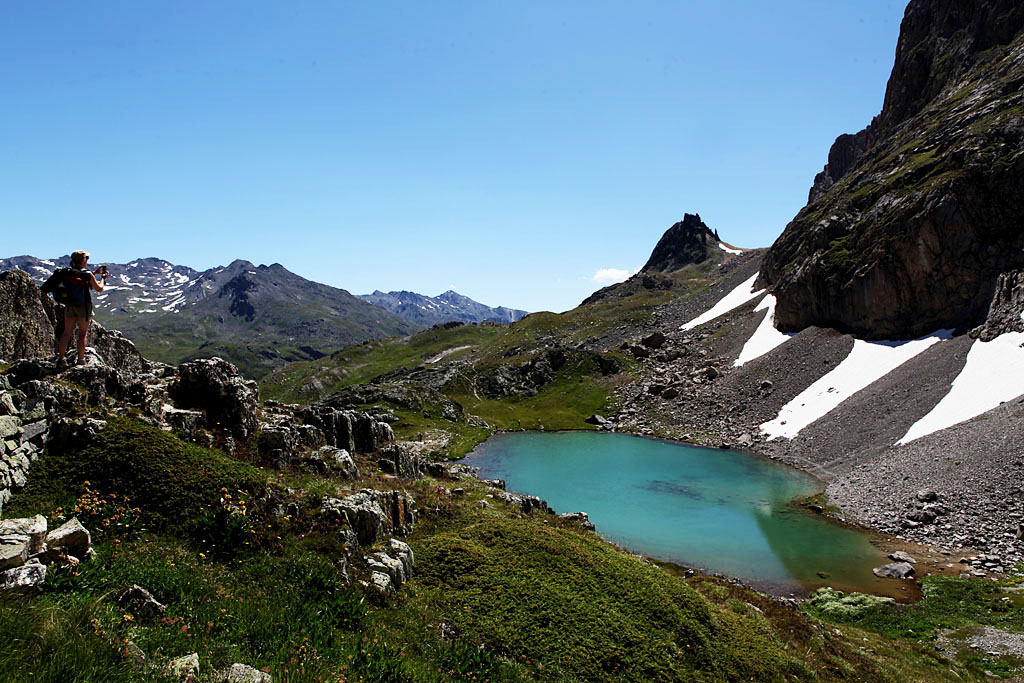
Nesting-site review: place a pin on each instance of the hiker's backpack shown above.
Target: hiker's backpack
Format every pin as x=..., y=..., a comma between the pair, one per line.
x=68, y=286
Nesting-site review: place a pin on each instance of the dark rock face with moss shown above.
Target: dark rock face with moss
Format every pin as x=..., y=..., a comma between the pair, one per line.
x=915, y=218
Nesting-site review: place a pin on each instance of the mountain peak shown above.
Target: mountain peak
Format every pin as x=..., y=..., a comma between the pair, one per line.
x=683, y=244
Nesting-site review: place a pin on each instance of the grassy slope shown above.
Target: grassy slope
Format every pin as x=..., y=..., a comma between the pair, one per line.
x=546, y=600
x=578, y=390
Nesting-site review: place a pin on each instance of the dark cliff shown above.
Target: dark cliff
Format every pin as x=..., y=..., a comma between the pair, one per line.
x=914, y=219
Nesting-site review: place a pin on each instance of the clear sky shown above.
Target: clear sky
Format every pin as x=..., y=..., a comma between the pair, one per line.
x=509, y=150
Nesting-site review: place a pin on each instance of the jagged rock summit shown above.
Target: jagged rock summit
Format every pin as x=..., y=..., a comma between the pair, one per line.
x=914, y=219
x=685, y=243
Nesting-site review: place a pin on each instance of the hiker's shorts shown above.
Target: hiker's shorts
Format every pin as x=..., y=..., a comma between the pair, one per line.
x=75, y=310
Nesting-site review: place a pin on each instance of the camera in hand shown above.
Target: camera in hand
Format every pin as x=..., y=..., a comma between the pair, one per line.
x=103, y=270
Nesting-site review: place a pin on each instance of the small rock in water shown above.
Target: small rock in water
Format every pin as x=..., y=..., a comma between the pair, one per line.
x=900, y=556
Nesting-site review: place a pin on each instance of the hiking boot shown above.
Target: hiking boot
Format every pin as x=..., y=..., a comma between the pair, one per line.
x=61, y=364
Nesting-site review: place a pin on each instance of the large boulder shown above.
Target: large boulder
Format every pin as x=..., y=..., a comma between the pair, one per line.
x=26, y=318
x=216, y=387
x=71, y=537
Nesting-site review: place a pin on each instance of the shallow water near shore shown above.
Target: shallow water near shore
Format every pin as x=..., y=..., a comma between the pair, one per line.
x=720, y=511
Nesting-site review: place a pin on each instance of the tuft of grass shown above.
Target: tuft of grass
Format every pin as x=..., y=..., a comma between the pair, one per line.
x=42, y=641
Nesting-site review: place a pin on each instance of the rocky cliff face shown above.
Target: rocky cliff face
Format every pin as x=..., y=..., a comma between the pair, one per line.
x=914, y=219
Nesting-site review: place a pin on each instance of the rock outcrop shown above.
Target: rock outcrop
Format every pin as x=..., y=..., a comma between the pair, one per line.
x=373, y=515
x=685, y=243
x=216, y=387
x=26, y=326
x=915, y=218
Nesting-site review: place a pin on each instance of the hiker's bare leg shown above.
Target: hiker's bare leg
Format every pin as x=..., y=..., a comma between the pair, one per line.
x=70, y=324
x=83, y=324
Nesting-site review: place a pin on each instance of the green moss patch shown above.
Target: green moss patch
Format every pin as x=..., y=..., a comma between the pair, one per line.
x=171, y=481
x=583, y=609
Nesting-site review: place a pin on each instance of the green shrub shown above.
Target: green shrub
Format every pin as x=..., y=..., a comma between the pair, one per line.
x=839, y=606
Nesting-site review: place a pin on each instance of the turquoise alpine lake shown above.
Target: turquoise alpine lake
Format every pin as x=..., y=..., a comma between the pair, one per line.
x=721, y=511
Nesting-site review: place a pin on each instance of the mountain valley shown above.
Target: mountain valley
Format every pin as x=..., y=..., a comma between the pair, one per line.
x=275, y=462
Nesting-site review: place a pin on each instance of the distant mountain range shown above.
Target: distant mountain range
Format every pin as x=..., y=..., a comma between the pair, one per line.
x=430, y=310
x=258, y=317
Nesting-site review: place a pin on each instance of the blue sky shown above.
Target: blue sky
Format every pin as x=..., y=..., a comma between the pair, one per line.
x=508, y=150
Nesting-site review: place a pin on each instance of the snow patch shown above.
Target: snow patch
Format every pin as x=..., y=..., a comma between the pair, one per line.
x=737, y=297
x=174, y=304
x=867, y=362
x=721, y=245
x=48, y=262
x=765, y=337
x=993, y=374
x=133, y=264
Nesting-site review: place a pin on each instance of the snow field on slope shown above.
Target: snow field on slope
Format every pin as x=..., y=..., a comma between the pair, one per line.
x=867, y=362
x=765, y=337
x=727, y=250
x=993, y=374
x=736, y=297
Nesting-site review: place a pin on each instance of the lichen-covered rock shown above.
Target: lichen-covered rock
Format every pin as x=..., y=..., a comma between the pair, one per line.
x=26, y=318
x=243, y=673
x=117, y=351
x=382, y=582
x=215, y=386
x=404, y=554
x=13, y=551
x=581, y=517
x=183, y=667
x=374, y=515
x=328, y=459
x=525, y=503
x=25, y=576
x=32, y=529
x=276, y=444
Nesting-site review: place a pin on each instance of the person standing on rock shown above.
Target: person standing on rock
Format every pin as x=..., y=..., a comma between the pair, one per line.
x=79, y=282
